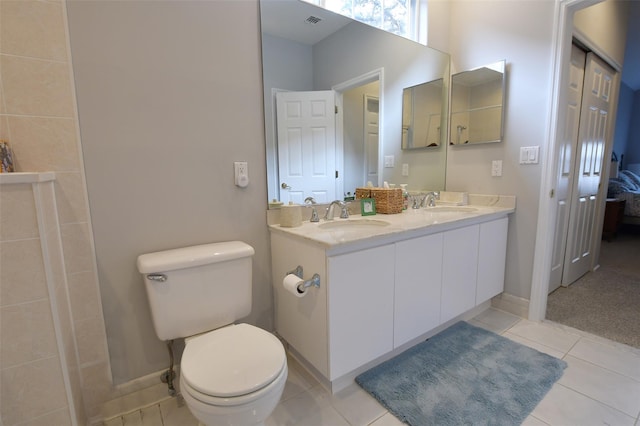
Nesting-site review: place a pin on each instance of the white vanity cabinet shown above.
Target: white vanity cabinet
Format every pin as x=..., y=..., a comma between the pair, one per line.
x=417, y=290
x=459, y=271
x=360, y=307
x=375, y=299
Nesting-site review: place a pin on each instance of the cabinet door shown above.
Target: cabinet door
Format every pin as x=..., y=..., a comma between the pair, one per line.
x=492, y=253
x=360, y=308
x=417, y=287
x=459, y=271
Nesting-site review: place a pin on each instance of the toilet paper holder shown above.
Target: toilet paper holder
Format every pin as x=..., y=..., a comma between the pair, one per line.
x=305, y=284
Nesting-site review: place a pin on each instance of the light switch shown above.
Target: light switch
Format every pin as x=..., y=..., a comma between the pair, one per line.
x=389, y=161
x=529, y=154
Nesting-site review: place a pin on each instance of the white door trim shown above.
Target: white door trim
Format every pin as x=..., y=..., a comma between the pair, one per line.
x=369, y=77
x=562, y=36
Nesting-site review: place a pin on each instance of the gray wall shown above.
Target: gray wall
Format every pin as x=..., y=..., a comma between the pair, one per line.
x=169, y=96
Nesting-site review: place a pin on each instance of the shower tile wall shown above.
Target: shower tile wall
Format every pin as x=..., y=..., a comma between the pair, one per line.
x=38, y=117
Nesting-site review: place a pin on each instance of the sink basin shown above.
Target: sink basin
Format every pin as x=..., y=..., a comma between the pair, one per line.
x=450, y=209
x=354, y=224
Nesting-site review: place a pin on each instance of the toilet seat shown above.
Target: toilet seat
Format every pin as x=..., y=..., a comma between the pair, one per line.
x=231, y=362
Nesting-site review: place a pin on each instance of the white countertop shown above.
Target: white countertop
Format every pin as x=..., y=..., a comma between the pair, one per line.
x=408, y=224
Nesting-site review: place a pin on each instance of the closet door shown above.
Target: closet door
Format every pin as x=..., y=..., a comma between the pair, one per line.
x=594, y=123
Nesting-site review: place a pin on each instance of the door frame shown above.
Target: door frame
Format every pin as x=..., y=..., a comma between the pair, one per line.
x=563, y=35
x=369, y=77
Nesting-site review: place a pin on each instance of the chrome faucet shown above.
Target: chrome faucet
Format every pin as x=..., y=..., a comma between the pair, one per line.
x=344, y=211
x=430, y=199
x=314, y=213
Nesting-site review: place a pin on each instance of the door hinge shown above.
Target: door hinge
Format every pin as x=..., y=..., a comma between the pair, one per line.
x=336, y=174
x=552, y=193
x=336, y=107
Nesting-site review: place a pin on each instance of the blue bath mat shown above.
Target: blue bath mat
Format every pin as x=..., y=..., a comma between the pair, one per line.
x=462, y=376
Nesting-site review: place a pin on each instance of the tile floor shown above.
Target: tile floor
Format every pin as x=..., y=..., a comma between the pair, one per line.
x=601, y=386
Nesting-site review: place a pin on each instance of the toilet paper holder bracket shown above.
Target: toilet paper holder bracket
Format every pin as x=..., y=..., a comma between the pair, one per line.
x=305, y=284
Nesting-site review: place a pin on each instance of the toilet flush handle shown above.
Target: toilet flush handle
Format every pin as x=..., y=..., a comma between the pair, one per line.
x=157, y=277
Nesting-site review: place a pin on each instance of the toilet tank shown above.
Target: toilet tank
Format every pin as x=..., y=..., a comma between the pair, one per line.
x=197, y=289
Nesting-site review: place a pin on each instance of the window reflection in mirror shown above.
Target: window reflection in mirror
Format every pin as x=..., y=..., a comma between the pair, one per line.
x=477, y=105
x=422, y=115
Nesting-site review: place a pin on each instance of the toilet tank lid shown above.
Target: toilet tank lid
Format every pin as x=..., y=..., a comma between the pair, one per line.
x=188, y=257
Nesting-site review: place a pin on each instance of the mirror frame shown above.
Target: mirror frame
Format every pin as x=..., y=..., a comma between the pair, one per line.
x=478, y=77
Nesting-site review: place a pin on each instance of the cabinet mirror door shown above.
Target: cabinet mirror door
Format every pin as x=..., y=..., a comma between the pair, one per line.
x=477, y=105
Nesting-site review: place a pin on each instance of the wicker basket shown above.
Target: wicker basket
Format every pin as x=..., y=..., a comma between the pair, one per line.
x=388, y=201
x=363, y=193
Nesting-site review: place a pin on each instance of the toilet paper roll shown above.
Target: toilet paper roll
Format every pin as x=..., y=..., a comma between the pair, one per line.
x=290, y=215
x=291, y=283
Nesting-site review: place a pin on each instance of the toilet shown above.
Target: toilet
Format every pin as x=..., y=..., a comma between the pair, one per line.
x=230, y=374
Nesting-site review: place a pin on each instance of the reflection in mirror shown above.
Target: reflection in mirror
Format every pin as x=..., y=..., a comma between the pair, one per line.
x=422, y=115
x=477, y=105
x=307, y=51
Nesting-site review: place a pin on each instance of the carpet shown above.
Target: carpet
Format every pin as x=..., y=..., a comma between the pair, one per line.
x=605, y=302
x=463, y=375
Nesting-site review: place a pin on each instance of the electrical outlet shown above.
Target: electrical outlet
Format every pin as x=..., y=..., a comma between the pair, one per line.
x=496, y=168
x=241, y=173
x=405, y=169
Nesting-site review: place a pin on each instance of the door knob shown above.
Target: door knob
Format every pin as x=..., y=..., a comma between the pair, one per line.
x=285, y=186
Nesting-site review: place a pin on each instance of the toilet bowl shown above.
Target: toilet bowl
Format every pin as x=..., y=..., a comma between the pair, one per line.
x=234, y=375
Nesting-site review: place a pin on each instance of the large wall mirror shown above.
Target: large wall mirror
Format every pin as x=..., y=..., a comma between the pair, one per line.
x=314, y=60
x=477, y=105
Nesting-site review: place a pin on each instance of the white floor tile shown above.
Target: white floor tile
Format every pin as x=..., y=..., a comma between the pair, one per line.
x=497, y=321
x=298, y=380
x=563, y=406
x=312, y=407
x=532, y=421
x=175, y=413
x=132, y=419
x=545, y=334
x=151, y=416
x=534, y=345
x=357, y=406
x=387, y=420
x=609, y=356
x=610, y=388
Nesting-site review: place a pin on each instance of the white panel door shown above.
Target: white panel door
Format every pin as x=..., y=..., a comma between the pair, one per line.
x=594, y=121
x=306, y=146
x=566, y=161
x=371, y=138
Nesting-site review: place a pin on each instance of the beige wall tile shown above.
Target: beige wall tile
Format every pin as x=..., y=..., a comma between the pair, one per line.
x=96, y=387
x=44, y=144
x=57, y=418
x=76, y=247
x=48, y=207
x=22, y=277
x=33, y=28
x=36, y=87
x=31, y=390
x=4, y=123
x=17, y=212
x=27, y=333
x=70, y=197
x=91, y=340
x=84, y=295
